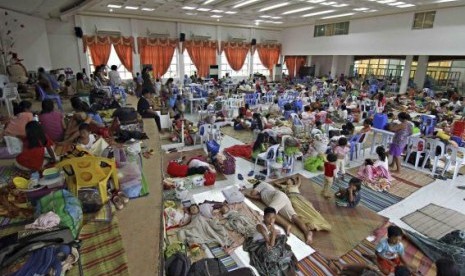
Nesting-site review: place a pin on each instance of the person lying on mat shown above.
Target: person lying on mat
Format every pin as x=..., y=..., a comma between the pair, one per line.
x=304, y=208
x=390, y=251
x=281, y=203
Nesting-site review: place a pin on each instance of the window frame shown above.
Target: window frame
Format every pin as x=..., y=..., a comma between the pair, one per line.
x=420, y=19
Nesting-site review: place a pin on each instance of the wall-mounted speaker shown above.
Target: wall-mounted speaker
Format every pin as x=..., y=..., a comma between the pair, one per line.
x=78, y=32
x=254, y=42
x=182, y=37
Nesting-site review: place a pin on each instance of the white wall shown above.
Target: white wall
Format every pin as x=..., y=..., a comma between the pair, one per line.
x=386, y=35
x=63, y=44
x=31, y=42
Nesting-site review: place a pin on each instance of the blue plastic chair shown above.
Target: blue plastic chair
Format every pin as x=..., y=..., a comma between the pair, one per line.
x=45, y=96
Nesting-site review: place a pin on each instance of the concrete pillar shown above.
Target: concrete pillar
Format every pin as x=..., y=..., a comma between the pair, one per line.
x=180, y=54
x=83, y=60
x=349, y=63
x=309, y=61
x=334, y=65
x=406, y=75
x=420, y=73
x=136, y=62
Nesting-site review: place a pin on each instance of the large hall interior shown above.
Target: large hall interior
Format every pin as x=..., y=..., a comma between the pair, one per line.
x=232, y=137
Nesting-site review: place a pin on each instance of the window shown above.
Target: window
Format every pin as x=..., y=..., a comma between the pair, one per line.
x=173, y=69
x=285, y=71
x=189, y=67
x=424, y=20
x=226, y=68
x=341, y=28
x=258, y=66
x=113, y=60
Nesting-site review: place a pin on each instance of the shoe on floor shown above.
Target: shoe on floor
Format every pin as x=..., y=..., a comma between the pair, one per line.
x=240, y=177
x=251, y=173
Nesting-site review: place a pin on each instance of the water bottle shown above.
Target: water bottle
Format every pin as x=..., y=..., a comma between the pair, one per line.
x=34, y=180
x=36, y=118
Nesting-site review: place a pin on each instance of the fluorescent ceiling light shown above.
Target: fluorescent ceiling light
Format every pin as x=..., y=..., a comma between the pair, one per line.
x=147, y=9
x=248, y=2
x=203, y=9
x=216, y=16
x=274, y=6
x=217, y=11
x=298, y=10
x=191, y=13
x=361, y=9
x=445, y=1
x=406, y=6
x=265, y=16
x=231, y=12
x=396, y=3
x=277, y=22
x=328, y=3
x=188, y=8
x=318, y=13
x=276, y=17
x=131, y=8
x=315, y=1
x=386, y=1
x=338, y=15
x=207, y=2
x=371, y=11
x=340, y=5
x=114, y=6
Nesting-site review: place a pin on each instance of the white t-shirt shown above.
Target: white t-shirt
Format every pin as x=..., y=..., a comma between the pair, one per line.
x=195, y=163
x=115, y=79
x=92, y=140
x=265, y=190
x=384, y=164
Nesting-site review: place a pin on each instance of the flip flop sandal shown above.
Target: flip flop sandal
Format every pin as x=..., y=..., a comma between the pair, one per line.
x=260, y=177
x=123, y=196
x=118, y=202
x=251, y=173
x=240, y=177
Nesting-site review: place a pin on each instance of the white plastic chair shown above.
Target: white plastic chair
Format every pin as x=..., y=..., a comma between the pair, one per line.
x=272, y=151
x=8, y=96
x=291, y=159
x=204, y=132
x=431, y=147
x=216, y=132
x=454, y=157
x=418, y=145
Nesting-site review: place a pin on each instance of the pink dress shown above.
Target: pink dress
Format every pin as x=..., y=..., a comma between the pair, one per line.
x=52, y=124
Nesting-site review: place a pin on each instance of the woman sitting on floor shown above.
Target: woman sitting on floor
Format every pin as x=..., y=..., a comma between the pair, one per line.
x=240, y=123
x=375, y=174
x=52, y=121
x=304, y=208
x=16, y=125
x=81, y=115
x=37, y=149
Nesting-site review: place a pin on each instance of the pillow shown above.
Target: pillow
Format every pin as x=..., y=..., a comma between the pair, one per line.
x=233, y=195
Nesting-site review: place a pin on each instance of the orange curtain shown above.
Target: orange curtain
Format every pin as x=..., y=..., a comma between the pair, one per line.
x=269, y=55
x=236, y=53
x=125, y=55
x=158, y=52
x=100, y=53
x=293, y=64
x=100, y=48
x=202, y=54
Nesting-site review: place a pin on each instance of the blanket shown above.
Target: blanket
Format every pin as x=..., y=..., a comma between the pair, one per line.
x=275, y=261
x=244, y=151
x=202, y=230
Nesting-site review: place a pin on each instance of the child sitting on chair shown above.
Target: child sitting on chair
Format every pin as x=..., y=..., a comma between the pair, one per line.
x=349, y=197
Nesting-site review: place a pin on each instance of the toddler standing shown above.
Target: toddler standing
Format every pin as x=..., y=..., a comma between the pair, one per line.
x=330, y=169
x=341, y=151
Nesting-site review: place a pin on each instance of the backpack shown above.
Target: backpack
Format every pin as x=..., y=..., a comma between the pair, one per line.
x=207, y=267
x=126, y=115
x=177, y=265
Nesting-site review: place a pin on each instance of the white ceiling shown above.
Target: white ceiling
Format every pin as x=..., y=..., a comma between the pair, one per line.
x=231, y=11
x=254, y=10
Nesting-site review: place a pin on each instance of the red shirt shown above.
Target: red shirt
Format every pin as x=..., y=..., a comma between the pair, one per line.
x=33, y=158
x=329, y=169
